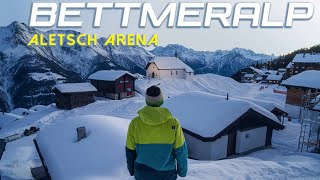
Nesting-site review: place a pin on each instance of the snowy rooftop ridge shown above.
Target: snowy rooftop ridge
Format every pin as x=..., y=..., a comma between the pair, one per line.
x=306, y=79
x=170, y=63
x=273, y=77
x=259, y=71
x=249, y=75
x=209, y=114
x=307, y=58
x=75, y=87
x=108, y=75
x=289, y=66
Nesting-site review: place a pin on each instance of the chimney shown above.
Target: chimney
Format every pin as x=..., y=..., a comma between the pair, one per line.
x=227, y=96
x=81, y=132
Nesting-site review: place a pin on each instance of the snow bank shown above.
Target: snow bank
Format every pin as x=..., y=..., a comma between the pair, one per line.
x=38, y=108
x=308, y=79
x=210, y=83
x=207, y=114
x=7, y=118
x=22, y=112
x=99, y=156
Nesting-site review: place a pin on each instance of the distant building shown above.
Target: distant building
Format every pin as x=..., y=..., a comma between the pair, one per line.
x=217, y=134
x=274, y=79
x=250, y=74
x=300, y=85
x=306, y=61
x=168, y=67
x=113, y=84
x=289, y=68
x=249, y=78
x=72, y=95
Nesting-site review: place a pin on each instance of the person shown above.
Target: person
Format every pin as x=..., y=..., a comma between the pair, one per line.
x=155, y=146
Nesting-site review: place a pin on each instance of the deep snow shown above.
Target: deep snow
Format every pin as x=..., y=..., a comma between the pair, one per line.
x=281, y=162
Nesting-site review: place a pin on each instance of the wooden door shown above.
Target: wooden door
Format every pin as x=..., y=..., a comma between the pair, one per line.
x=231, y=143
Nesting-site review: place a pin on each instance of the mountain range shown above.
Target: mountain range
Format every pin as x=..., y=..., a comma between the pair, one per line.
x=28, y=73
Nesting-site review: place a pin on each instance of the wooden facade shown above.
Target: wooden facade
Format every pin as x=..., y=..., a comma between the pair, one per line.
x=72, y=95
x=73, y=100
x=294, y=96
x=120, y=88
x=299, y=67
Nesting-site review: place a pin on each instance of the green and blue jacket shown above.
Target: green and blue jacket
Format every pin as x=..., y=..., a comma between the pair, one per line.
x=155, y=146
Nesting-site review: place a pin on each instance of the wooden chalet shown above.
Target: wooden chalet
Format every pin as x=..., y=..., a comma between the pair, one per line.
x=306, y=61
x=300, y=85
x=72, y=95
x=274, y=79
x=113, y=84
x=249, y=74
x=223, y=128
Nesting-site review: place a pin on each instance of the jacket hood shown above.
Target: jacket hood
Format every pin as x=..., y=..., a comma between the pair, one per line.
x=154, y=115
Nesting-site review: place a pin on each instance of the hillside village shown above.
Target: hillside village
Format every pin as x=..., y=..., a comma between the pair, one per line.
x=235, y=123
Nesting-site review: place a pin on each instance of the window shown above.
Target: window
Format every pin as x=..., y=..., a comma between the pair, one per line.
x=171, y=73
x=176, y=72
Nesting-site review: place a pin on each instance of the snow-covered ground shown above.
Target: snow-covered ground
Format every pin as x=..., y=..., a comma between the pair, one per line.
x=281, y=162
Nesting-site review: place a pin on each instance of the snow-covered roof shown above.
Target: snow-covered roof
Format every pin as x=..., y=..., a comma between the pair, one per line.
x=268, y=105
x=99, y=156
x=256, y=70
x=306, y=79
x=307, y=58
x=270, y=72
x=259, y=78
x=273, y=77
x=289, y=66
x=75, y=87
x=207, y=114
x=282, y=69
x=108, y=75
x=170, y=63
x=249, y=75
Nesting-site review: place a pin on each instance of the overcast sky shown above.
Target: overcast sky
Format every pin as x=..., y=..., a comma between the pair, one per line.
x=270, y=41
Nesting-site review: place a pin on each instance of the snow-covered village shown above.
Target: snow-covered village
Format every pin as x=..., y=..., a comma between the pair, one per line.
x=264, y=127
x=226, y=91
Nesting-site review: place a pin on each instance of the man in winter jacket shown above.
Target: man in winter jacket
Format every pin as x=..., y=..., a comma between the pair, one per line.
x=155, y=147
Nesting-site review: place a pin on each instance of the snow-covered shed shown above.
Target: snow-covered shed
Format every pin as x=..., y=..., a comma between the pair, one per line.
x=98, y=156
x=274, y=79
x=113, y=84
x=72, y=95
x=168, y=67
x=216, y=127
x=249, y=78
x=301, y=84
x=306, y=61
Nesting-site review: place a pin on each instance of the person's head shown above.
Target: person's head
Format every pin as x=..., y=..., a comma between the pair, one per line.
x=154, y=96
